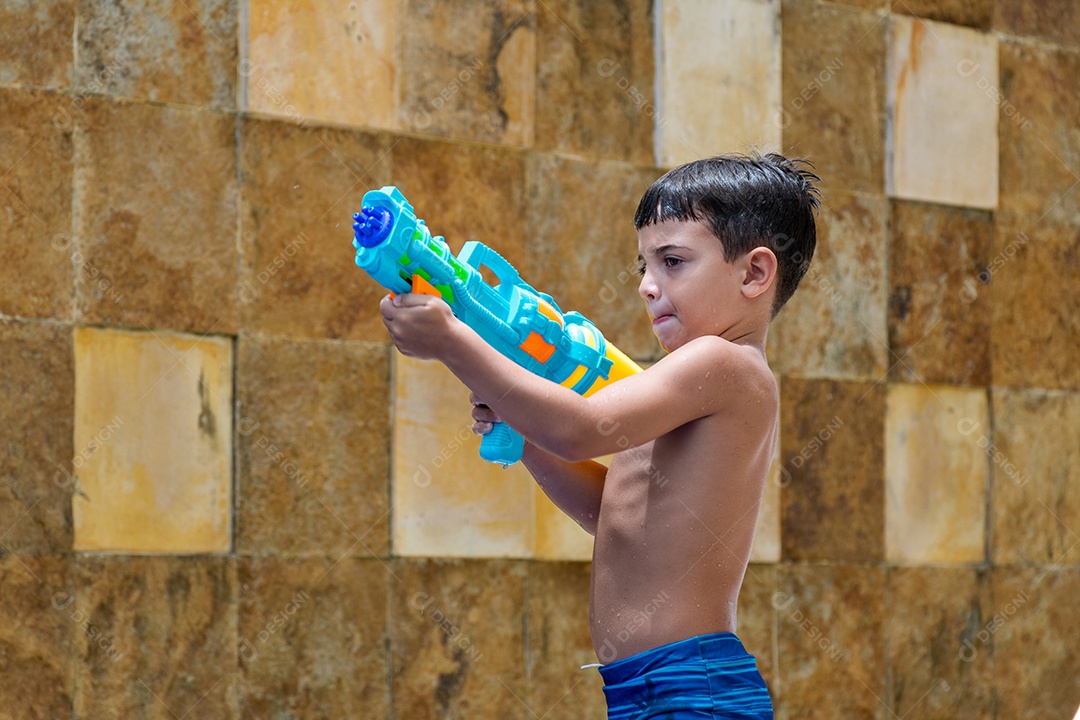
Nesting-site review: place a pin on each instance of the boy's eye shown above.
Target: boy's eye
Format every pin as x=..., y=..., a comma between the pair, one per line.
x=672, y=261
x=640, y=269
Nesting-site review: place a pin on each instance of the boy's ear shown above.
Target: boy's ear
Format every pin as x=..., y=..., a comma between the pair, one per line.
x=760, y=267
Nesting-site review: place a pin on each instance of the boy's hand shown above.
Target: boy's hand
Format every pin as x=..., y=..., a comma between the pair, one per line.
x=483, y=415
x=419, y=324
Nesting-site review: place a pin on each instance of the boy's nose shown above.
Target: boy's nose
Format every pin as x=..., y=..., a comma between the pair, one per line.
x=647, y=288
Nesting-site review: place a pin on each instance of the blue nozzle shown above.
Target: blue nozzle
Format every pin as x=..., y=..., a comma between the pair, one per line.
x=373, y=225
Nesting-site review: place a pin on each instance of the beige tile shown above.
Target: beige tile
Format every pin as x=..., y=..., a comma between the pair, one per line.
x=153, y=432
x=558, y=537
x=728, y=51
x=469, y=70
x=943, y=131
x=447, y=501
x=835, y=324
x=766, y=547
x=935, y=474
x=325, y=60
x=1034, y=455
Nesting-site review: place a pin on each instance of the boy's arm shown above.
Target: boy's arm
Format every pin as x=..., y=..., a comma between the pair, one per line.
x=576, y=488
x=691, y=383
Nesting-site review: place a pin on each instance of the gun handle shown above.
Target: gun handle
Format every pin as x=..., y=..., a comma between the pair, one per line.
x=503, y=445
x=420, y=286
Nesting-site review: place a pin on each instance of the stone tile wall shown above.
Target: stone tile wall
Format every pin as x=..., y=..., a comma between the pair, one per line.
x=223, y=494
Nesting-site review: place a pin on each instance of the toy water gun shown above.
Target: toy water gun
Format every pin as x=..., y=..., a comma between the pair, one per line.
x=398, y=251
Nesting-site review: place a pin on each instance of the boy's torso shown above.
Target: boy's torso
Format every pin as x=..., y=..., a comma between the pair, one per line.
x=676, y=525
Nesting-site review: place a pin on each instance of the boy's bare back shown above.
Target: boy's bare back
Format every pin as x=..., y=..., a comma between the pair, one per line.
x=677, y=521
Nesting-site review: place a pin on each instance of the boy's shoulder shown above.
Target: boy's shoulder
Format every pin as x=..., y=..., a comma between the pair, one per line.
x=711, y=357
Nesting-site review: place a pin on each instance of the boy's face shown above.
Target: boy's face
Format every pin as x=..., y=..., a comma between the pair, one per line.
x=689, y=289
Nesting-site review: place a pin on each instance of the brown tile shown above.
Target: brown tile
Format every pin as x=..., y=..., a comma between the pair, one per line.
x=156, y=193
x=467, y=192
x=757, y=620
x=594, y=85
x=939, y=309
x=834, y=325
x=174, y=52
x=1055, y=20
x=313, y=465
x=932, y=673
x=469, y=70
x=165, y=640
x=1034, y=635
x=313, y=638
x=864, y=4
x=832, y=445
x=1036, y=307
x=585, y=211
x=153, y=442
x=1034, y=456
x=300, y=187
x=973, y=13
x=36, y=48
x=834, y=92
x=37, y=277
x=559, y=643
x=38, y=624
x=38, y=387
x=1040, y=130
x=830, y=641
x=457, y=639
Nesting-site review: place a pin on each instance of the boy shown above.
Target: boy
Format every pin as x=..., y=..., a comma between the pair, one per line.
x=723, y=244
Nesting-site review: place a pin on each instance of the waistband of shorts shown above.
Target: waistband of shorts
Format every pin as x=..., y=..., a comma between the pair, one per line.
x=714, y=646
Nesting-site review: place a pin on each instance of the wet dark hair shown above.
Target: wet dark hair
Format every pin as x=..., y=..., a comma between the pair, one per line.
x=746, y=201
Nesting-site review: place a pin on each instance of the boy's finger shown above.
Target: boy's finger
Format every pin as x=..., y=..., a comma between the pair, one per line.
x=481, y=428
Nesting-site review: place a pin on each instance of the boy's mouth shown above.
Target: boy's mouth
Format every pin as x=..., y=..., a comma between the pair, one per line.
x=661, y=319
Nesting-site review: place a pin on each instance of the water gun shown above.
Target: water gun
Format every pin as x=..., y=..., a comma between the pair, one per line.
x=398, y=251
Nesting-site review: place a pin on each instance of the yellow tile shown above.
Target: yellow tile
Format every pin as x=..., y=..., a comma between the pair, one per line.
x=153, y=442
x=729, y=52
x=935, y=474
x=331, y=60
x=447, y=501
x=942, y=143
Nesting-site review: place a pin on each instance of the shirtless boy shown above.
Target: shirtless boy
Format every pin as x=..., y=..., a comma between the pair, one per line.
x=723, y=243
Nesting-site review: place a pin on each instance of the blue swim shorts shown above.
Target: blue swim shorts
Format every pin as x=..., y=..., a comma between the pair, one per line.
x=708, y=676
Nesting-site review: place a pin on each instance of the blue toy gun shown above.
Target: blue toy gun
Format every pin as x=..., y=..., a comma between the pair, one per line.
x=398, y=251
